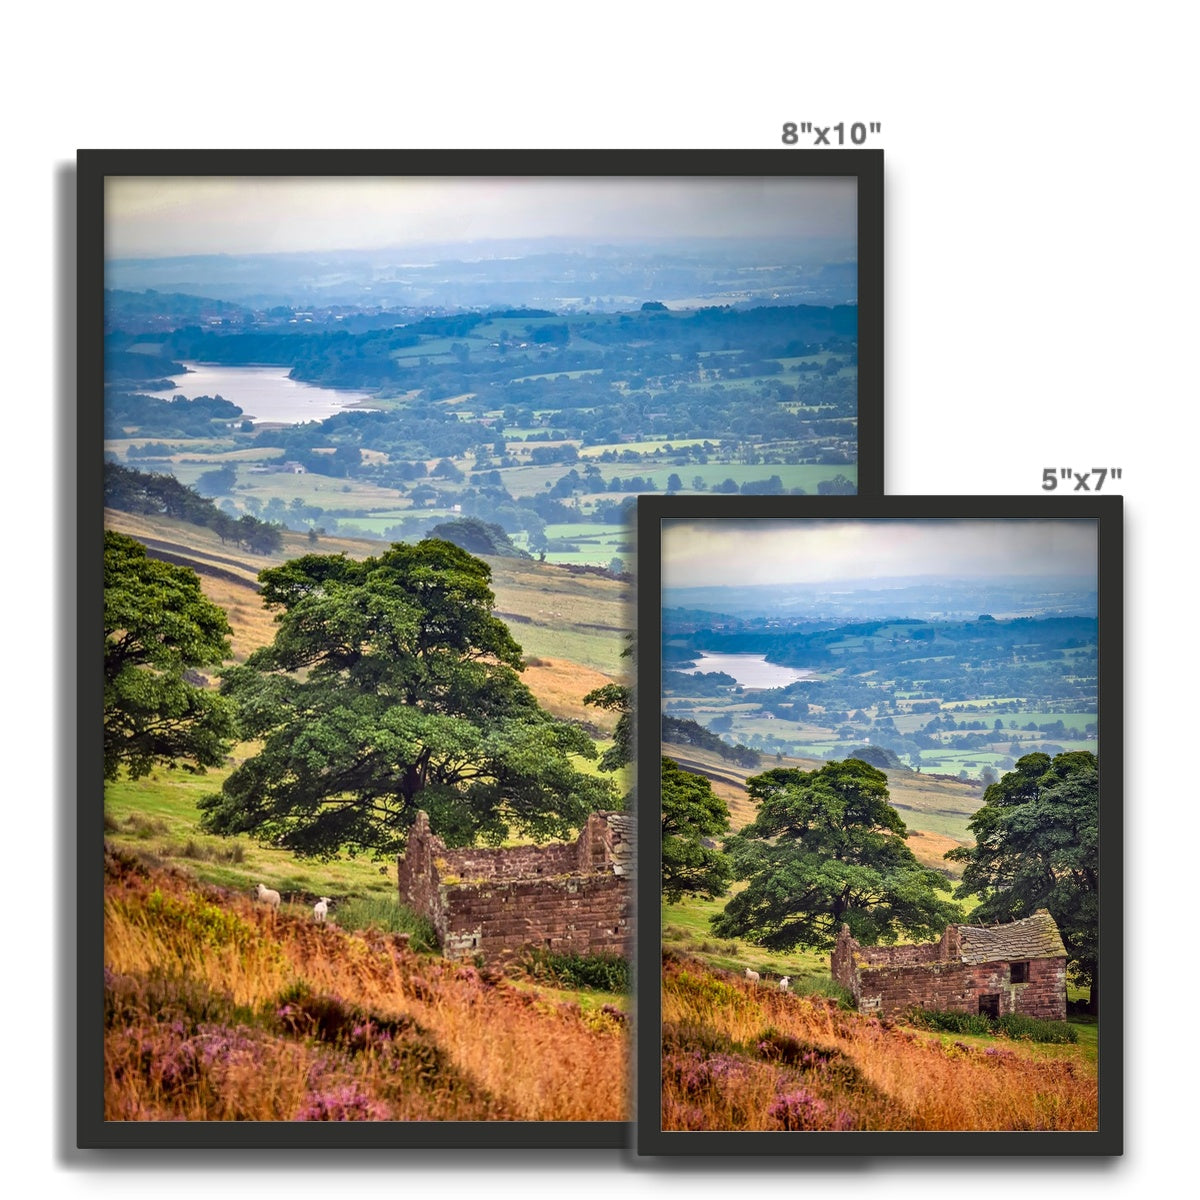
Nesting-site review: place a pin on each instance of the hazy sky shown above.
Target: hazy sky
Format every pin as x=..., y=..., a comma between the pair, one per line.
x=716, y=553
x=157, y=217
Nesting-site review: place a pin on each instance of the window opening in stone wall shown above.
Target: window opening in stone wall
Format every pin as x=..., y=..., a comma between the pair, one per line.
x=989, y=1005
x=1020, y=972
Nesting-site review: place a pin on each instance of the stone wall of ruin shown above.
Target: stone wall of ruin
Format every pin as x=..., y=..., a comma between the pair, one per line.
x=890, y=979
x=493, y=903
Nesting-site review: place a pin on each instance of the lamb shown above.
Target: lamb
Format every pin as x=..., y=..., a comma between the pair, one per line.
x=267, y=896
x=751, y=975
x=785, y=983
x=321, y=909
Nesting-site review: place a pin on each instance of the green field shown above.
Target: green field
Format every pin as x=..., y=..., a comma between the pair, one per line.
x=685, y=928
x=647, y=447
x=804, y=475
x=158, y=817
x=372, y=510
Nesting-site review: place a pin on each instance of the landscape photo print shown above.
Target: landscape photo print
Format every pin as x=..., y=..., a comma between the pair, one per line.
x=360, y=440
x=880, y=865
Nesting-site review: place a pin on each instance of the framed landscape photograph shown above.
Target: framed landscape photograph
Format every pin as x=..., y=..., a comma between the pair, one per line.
x=360, y=440
x=880, y=840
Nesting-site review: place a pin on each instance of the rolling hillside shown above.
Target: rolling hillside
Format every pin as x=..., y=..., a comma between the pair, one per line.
x=570, y=625
x=935, y=808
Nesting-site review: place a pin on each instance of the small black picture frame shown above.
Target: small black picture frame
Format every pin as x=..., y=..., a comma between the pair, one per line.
x=95, y=169
x=692, y=528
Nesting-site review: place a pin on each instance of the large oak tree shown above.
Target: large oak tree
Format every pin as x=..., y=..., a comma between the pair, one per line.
x=390, y=687
x=828, y=848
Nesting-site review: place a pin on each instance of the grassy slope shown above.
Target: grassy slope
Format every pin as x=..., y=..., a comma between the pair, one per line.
x=218, y=1010
x=935, y=809
x=739, y=1055
x=578, y=619
x=157, y=818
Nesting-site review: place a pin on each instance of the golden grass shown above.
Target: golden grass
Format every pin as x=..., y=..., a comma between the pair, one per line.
x=560, y=686
x=742, y=1056
x=930, y=849
x=204, y=1023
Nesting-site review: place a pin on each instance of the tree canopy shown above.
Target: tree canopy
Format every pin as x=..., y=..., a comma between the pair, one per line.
x=618, y=698
x=158, y=625
x=1037, y=845
x=477, y=537
x=391, y=687
x=826, y=848
x=692, y=813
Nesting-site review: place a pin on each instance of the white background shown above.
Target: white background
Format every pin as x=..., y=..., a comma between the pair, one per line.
x=1041, y=282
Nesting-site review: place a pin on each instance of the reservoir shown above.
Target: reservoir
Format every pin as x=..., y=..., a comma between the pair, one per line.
x=264, y=394
x=750, y=670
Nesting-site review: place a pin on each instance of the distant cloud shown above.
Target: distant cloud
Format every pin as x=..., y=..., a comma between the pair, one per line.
x=717, y=552
x=160, y=217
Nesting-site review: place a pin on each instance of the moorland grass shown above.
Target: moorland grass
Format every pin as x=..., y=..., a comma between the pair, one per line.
x=218, y=1009
x=739, y=1055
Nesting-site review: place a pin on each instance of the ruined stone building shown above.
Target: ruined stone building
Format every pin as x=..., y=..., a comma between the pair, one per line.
x=571, y=898
x=991, y=969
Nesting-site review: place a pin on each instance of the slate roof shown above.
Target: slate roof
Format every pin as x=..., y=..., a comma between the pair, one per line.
x=1032, y=937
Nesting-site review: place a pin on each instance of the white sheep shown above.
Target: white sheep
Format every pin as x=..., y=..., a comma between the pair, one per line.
x=321, y=909
x=751, y=975
x=785, y=983
x=267, y=896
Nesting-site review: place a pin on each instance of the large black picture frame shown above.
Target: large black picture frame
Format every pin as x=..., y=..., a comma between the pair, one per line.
x=94, y=167
x=652, y=1139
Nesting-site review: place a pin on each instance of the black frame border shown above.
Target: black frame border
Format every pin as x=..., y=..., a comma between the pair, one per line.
x=93, y=167
x=1107, y=1140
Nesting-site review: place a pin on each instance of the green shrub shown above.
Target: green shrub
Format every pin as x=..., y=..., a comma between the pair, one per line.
x=708, y=990
x=824, y=985
x=192, y=916
x=1031, y=1029
x=1012, y=1025
x=606, y=972
x=950, y=1022
x=387, y=915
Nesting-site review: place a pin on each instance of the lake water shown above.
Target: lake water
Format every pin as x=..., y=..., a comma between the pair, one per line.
x=264, y=393
x=750, y=670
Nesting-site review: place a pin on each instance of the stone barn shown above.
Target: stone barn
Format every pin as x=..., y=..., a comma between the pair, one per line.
x=570, y=898
x=1020, y=967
